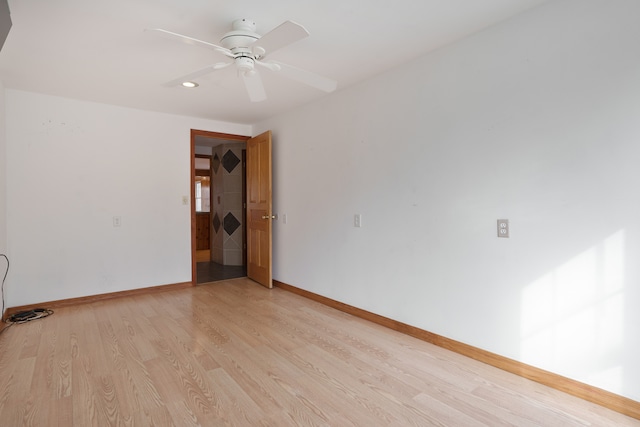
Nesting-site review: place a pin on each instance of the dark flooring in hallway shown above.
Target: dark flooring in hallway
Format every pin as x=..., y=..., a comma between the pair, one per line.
x=212, y=272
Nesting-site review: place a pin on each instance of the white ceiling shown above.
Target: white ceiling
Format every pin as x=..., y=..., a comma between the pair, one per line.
x=96, y=50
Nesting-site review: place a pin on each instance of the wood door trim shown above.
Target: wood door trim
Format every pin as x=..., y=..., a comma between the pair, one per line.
x=244, y=207
x=575, y=388
x=219, y=135
x=192, y=184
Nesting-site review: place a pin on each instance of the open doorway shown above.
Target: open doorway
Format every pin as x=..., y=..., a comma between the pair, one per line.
x=202, y=195
x=218, y=174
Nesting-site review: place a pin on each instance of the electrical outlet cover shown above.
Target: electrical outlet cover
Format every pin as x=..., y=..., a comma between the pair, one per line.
x=503, y=228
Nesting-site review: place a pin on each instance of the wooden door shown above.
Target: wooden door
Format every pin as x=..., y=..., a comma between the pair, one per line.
x=259, y=213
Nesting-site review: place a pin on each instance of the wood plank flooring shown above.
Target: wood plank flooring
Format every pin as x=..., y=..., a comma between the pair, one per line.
x=233, y=353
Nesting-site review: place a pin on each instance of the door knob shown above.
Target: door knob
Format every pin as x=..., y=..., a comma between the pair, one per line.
x=268, y=217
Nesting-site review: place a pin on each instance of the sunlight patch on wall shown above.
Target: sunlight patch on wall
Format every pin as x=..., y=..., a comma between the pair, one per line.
x=573, y=317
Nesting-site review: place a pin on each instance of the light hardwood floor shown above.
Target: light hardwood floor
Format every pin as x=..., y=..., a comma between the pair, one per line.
x=233, y=353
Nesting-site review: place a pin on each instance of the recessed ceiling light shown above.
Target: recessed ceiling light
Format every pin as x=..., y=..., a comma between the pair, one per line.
x=190, y=84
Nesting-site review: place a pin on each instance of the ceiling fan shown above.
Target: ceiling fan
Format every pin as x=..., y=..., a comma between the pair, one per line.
x=245, y=49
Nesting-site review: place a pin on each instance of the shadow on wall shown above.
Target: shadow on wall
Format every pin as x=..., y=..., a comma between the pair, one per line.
x=573, y=317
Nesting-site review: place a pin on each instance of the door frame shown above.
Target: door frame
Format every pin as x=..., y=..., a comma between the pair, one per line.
x=192, y=185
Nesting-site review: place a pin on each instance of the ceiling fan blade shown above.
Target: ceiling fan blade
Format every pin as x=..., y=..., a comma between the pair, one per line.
x=255, y=88
x=284, y=34
x=272, y=65
x=201, y=72
x=191, y=41
x=303, y=76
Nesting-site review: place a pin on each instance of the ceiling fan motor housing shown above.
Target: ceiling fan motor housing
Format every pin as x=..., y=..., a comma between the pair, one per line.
x=242, y=35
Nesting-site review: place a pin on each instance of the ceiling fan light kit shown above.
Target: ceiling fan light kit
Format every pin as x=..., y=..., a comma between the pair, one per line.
x=245, y=48
x=244, y=64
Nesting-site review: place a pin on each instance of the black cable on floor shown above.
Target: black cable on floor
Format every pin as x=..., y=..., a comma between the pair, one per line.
x=29, y=315
x=3, y=279
x=22, y=316
x=2, y=290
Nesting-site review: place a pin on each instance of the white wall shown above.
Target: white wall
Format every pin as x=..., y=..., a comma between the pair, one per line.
x=75, y=165
x=3, y=189
x=535, y=120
